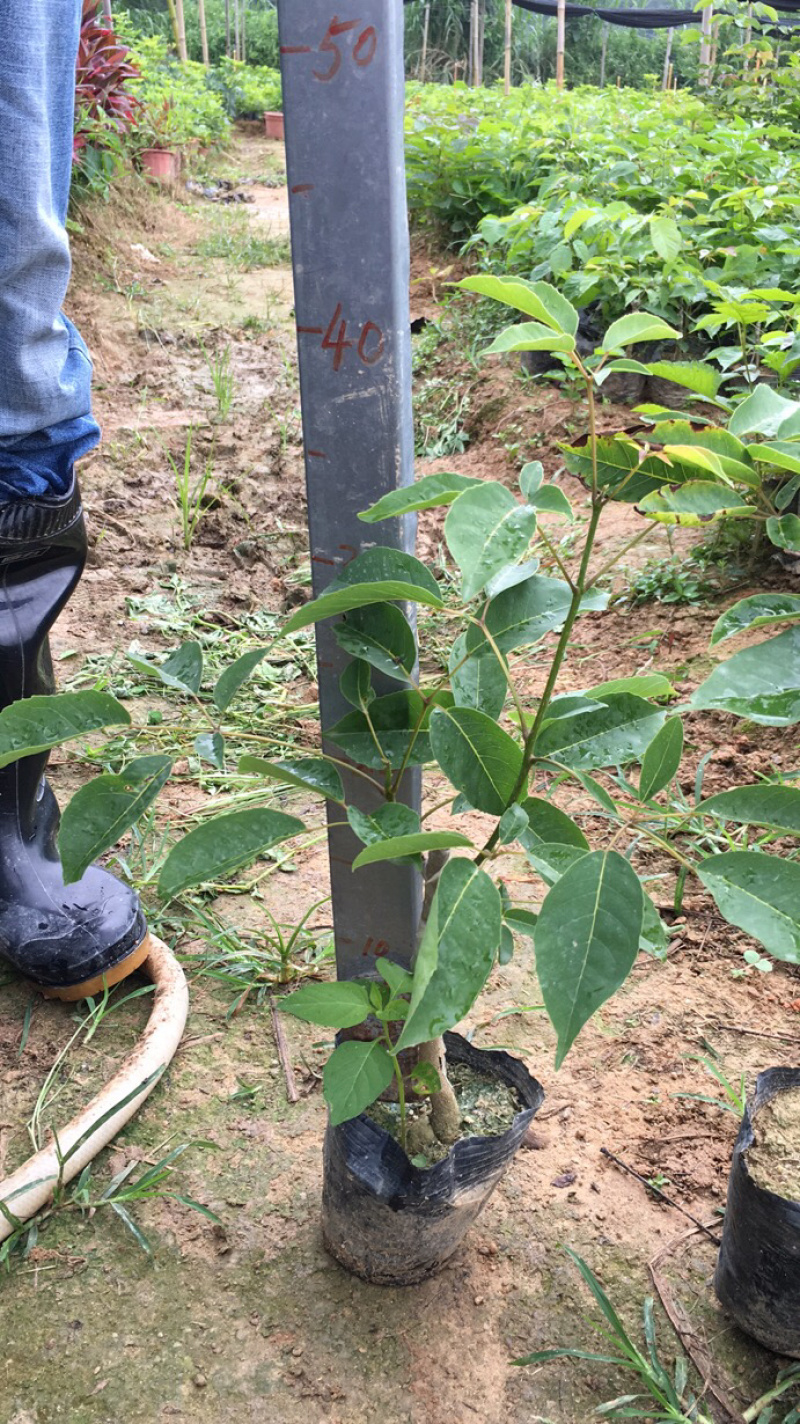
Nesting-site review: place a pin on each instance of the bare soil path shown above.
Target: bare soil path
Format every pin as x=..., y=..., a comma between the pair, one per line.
x=248, y=1319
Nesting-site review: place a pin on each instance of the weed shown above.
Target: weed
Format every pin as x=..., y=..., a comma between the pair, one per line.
x=680, y=580
x=191, y=494
x=240, y=247
x=439, y=410
x=252, y=962
x=670, y=1401
x=734, y=1097
x=222, y=377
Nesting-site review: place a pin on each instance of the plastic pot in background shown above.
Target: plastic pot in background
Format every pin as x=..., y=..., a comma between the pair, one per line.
x=393, y=1223
x=758, y=1272
x=273, y=123
x=161, y=163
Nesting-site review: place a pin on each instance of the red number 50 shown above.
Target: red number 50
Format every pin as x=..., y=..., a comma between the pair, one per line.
x=363, y=49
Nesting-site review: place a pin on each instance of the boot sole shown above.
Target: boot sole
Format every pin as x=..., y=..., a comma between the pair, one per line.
x=71, y=993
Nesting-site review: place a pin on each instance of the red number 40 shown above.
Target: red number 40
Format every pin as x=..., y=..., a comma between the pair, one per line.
x=369, y=346
x=363, y=49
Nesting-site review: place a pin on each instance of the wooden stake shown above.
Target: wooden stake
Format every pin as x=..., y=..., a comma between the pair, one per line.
x=425, y=30
x=507, y=61
x=667, y=79
x=237, y=53
x=562, y=28
x=705, y=46
x=174, y=19
x=228, y=28
x=183, y=53
x=603, y=53
x=481, y=37
x=244, y=31
x=201, y=13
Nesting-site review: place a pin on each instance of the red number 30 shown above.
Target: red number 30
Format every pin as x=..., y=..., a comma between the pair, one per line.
x=363, y=49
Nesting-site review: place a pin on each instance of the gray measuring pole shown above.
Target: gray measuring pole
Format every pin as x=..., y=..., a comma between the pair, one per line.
x=343, y=88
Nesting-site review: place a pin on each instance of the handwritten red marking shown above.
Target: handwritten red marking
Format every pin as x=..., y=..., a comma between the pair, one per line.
x=302, y=188
x=317, y=454
x=295, y=49
x=336, y=27
x=369, y=358
x=338, y=344
x=310, y=330
x=368, y=43
x=348, y=549
x=318, y=559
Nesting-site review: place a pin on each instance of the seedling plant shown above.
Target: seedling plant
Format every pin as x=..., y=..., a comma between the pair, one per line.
x=500, y=751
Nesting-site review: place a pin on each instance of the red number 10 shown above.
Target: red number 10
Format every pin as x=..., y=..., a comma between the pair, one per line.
x=363, y=49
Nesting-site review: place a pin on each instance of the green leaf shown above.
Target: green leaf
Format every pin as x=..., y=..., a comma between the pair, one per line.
x=775, y=807
x=478, y=680
x=183, y=669
x=380, y=635
x=523, y=614
x=354, y=1076
x=757, y=611
x=340, y=1005
x=357, y=596
x=696, y=502
x=536, y=299
x=309, y=773
x=619, y=474
x=530, y=336
x=457, y=951
x=486, y=529
x=399, y=846
x=355, y=684
x=234, y=677
x=587, y=939
x=665, y=237
x=222, y=845
x=784, y=533
x=102, y=811
x=480, y=759
x=760, y=894
x=399, y=980
x=693, y=375
x=549, y=825
x=615, y=734
x=35, y=724
x=552, y=500
x=512, y=824
x=427, y=493
x=623, y=366
x=398, y=721
x=530, y=479
x=520, y=920
x=783, y=456
x=210, y=746
x=763, y=412
x=761, y=683
x=636, y=326
x=661, y=759
x=386, y=822
x=649, y=684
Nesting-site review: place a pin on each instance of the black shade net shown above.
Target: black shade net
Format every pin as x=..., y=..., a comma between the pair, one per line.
x=644, y=19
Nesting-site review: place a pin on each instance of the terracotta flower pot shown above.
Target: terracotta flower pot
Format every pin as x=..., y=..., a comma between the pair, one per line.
x=273, y=123
x=160, y=163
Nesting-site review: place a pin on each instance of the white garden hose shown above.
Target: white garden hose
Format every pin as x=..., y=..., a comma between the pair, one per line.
x=30, y=1188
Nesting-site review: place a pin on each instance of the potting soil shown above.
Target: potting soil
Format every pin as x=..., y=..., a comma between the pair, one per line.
x=774, y=1159
x=488, y=1108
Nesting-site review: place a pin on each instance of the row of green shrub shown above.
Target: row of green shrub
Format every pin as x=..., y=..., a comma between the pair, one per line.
x=620, y=197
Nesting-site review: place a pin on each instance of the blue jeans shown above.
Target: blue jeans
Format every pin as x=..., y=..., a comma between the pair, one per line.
x=45, y=371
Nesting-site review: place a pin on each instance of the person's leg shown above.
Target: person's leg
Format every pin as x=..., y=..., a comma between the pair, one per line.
x=69, y=939
x=45, y=371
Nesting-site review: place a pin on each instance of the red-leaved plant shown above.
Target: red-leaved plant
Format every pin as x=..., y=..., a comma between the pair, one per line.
x=102, y=101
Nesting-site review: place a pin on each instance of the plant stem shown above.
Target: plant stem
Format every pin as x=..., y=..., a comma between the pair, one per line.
x=555, y=669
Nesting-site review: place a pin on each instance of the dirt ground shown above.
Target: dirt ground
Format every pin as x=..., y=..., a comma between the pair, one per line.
x=247, y=1318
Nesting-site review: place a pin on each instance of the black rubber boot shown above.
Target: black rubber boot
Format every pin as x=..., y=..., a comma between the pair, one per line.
x=70, y=940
